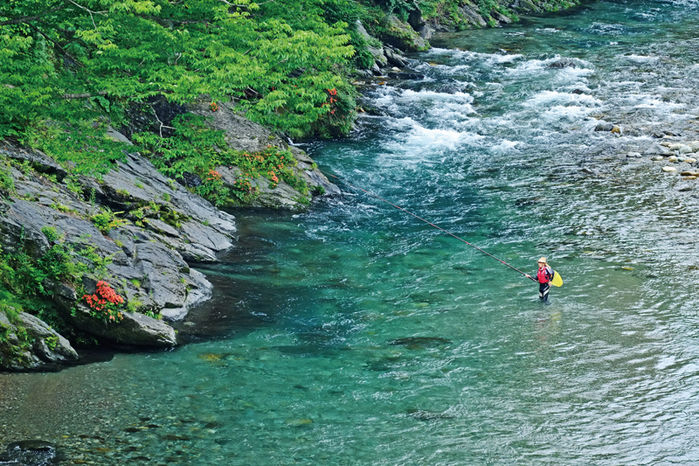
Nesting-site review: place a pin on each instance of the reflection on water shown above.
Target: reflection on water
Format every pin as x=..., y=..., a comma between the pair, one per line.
x=353, y=334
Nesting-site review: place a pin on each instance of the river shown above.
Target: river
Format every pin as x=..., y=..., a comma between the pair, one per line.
x=355, y=334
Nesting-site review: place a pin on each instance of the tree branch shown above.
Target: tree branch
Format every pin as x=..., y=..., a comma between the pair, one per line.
x=162, y=125
x=58, y=46
x=83, y=95
x=89, y=11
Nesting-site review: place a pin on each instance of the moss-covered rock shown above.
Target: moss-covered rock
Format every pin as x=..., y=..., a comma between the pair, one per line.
x=26, y=343
x=401, y=35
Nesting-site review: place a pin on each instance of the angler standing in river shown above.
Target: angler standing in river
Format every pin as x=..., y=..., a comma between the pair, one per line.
x=544, y=275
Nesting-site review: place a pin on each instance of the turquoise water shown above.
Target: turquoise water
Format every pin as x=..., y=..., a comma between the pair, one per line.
x=354, y=334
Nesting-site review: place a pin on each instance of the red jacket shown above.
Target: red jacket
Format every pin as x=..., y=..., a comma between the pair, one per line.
x=544, y=274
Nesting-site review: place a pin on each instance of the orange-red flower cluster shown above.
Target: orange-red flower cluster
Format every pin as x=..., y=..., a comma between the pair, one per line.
x=332, y=100
x=213, y=175
x=105, y=300
x=213, y=106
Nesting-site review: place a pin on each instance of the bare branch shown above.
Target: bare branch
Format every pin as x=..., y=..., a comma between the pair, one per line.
x=162, y=125
x=92, y=13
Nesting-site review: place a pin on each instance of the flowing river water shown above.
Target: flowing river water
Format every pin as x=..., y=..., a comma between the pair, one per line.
x=354, y=334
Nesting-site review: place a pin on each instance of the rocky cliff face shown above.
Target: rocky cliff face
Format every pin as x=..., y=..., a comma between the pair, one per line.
x=132, y=232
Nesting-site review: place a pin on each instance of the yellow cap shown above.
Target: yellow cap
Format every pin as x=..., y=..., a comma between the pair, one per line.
x=542, y=260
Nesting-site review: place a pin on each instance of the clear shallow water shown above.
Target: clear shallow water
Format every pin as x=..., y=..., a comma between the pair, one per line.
x=355, y=335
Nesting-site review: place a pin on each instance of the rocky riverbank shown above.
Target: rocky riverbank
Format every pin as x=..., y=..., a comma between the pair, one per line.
x=112, y=254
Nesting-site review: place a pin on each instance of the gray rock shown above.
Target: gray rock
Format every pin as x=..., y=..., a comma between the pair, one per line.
x=39, y=347
x=656, y=149
x=470, y=12
x=38, y=160
x=48, y=344
x=242, y=134
x=500, y=18
x=426, y=31
x=146, y=261
x=604, y=126
x=395, y=58
x=133, y=330
x=376, y=51
x=401, y=35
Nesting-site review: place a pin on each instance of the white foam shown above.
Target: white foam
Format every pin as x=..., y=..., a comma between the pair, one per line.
x=504, y=146
x=642, y=58
x=657, y=104
x=439, y=106
x=565, y=112
x=572, y=65
x=548, y=98
x=416, y=139
x=606, y=28
x=468, y=55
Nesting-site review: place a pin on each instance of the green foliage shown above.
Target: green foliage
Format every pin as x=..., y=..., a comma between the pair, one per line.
x=196, y=149
x=448, y=11
x=70, y=68
x=106, y=220
x=159, y=211
x=400, y=8
x=79, y=145
x=25, y=280
x=7, y=183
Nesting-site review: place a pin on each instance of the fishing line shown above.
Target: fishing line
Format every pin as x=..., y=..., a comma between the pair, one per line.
x=376, y=196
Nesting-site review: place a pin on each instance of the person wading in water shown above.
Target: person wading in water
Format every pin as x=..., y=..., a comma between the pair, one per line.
x=544, y=276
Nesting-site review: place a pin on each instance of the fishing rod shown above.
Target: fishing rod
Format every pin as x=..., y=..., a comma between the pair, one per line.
x=376, y=196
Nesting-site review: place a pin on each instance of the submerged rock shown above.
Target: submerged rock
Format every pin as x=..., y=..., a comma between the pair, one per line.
x=30, y=453
x=419, y=342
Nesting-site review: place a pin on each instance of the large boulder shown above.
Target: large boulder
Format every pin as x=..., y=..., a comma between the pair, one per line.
x=244, y=135
x=471, y=13
x=133, y=329
x=26, y=342
x=401, y=35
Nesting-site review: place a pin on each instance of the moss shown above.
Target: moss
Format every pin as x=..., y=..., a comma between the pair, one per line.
x=15, y=341
x=7, y=183
x=64, y=208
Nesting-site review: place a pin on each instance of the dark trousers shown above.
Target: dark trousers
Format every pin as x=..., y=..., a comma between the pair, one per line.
x=544, y=291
